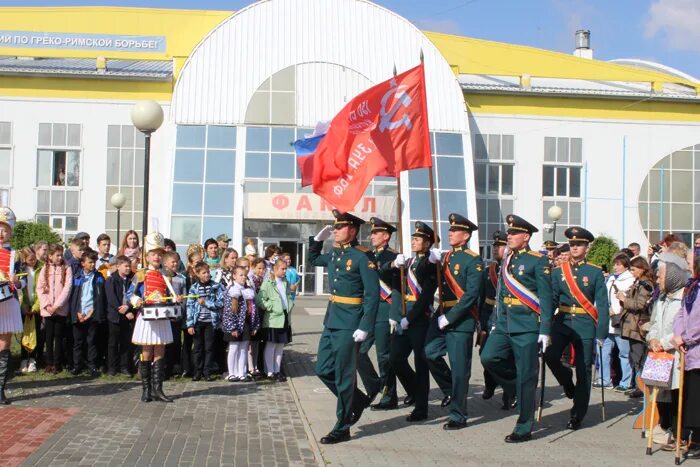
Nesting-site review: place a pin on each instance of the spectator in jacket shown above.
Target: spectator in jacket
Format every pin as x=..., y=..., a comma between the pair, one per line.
x=29, y=305
x=635, y=315
x=120, y=318
x=670, y=278
x=88, y=309
x=619, y=281
x=76, y=247
x=240, y=322
x=178, y=282
x=195, y=254
x=203, y=316
x=275, y=298
x=53, y=289
x=686, y=330
x=41, y=249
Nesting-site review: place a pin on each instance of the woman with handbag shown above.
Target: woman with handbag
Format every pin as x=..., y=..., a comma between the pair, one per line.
x=671, y=279
x=635, y=315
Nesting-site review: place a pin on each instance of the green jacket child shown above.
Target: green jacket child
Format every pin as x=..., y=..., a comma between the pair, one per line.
x=270, y=300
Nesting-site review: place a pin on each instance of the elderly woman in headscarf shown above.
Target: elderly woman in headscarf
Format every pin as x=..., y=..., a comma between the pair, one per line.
x=672, y=275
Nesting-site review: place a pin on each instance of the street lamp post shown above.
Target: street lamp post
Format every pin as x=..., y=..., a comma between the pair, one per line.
x=147, y=116
x=118, y=200
x=554, y=214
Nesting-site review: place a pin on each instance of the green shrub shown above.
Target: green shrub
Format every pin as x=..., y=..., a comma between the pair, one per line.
x=602, y=251
x=27, y=233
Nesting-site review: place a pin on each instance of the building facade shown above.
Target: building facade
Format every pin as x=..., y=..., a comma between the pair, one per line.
x=513, y=129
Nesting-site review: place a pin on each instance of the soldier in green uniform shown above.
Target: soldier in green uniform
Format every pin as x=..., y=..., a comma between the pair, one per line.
x=452, y=329
x=523, y=321
x=420, y=283
x=487, y=305
x=386, y=380
x=350, y=317
x=578, y=288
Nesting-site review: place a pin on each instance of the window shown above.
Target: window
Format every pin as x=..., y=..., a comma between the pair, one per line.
x=5, y=161
x=669, y=194
x=274, y=103
x=561, y=181
x=125, y=165
x=494, y=168
x=58, y=177
x=203, y=183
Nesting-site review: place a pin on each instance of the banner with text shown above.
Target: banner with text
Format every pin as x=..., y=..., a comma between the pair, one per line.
x=302, y=206
x=61, y=40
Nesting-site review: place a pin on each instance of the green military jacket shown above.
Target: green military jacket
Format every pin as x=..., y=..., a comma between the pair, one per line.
x=352, y=272
x=487, y=299
x=591, y=281
x=466, y=269
x=532, y=270
x=419, y=311
x=386, y=255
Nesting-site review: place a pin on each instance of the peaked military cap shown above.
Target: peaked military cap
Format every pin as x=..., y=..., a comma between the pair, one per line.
x=565, y=248
x=379, y=225
x=517, y=224
x=459, y=222
x=345, y=218
x=578, y=234
x=424, y=231
x=550, y=245
x=499, y=238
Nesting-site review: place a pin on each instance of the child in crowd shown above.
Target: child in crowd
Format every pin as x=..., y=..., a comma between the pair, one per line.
x=53, y=289
x=29, y=304
x=104, y=257
x=41, y=249
x=203, y=316
x=169, y=245
x=178, y=284
x=88, y=308
x=276, y=300
x=195, y=254
x=76, y=247
x=120, y=317
x=130, y=248
x=256, y=276
x=224, y=274
x=240, y=322
x=211, y=257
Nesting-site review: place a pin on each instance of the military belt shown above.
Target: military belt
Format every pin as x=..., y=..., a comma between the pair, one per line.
x=449, y=303
x=512, y=301
x=411, y=298
x=573, y=309
x=490, y=301
x=345, y=300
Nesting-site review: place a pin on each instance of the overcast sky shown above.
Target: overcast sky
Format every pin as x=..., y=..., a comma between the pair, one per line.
x=665, y=31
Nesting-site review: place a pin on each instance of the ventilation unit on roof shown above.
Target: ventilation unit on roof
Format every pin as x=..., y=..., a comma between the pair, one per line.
x=583, y=44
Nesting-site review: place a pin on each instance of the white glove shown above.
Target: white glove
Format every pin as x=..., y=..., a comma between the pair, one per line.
x=359, y=335
x=544, y=341
x=392, y=326
x=324, y=234
x=248, y=294
x=400, y=260
x=404, y=323
x=235, y=291
x=435, y=255
x=442, y=322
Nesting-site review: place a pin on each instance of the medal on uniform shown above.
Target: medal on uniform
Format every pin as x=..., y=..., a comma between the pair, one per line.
x=348, y=265
x=456, y=269
x=585, y=281
x=521, y=269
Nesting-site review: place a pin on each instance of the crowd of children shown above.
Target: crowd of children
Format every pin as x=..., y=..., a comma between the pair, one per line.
x=145, y=310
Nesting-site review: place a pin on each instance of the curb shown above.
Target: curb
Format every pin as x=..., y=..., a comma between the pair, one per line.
x=307, y=427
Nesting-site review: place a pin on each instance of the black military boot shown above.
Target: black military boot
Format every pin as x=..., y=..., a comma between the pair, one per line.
x=145, y=372
x=157, y=375
x=4, y=363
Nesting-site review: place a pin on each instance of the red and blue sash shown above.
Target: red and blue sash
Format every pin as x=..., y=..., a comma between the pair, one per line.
x=384, y=291
x=518, y=290
x=412, y=281
x=456, y=289
x=577, y=292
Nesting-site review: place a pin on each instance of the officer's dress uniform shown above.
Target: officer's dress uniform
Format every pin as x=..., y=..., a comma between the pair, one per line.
x=386, y=380
x=574, y=325
x=419, y=302
x=353, y=305
x=461, y=286
x=511, y=352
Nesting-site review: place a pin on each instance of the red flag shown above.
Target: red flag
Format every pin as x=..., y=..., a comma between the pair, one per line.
x=382, y=131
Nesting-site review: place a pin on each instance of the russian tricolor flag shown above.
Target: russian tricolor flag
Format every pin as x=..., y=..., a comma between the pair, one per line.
x=305, y=149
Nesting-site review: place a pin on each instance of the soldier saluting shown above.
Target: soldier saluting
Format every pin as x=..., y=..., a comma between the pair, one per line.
x=578, y=288
x=350, y=317
x=453, y=331
x=523, y=321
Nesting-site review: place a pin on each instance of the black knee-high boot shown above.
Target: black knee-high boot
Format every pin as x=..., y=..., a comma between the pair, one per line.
x=158, y=374
x=4, y=363
x=145, y=372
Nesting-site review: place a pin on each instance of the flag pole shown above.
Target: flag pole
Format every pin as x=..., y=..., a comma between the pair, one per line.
x=399, y=225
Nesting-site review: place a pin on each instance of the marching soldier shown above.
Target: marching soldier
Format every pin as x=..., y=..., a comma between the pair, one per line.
x=551, y=247
x=420, y=284
x=578, y=288
x=453, y=330
x=350, y=317
x=386, y=381
x=523, y=321
x=487, y=306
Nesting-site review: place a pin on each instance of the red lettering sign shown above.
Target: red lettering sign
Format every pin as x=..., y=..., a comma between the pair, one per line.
x=280, y=202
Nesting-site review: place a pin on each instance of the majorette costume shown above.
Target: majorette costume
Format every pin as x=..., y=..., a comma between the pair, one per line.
x=150, y=290
x=10, y=314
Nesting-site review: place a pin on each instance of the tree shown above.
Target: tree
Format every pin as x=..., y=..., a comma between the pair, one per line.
x=602, y=251
x=27, y=233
